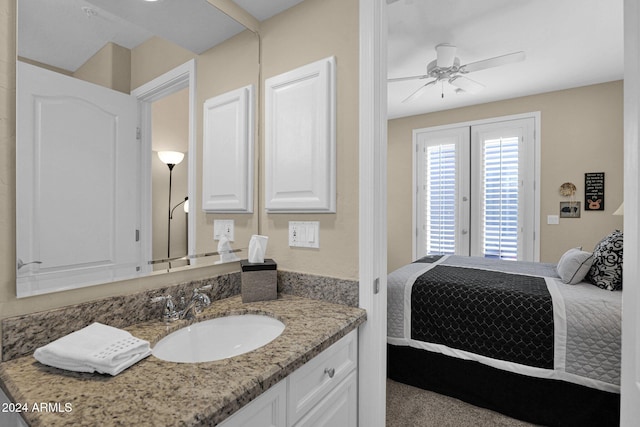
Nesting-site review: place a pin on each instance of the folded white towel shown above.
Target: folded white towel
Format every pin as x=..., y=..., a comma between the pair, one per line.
x=96, y=348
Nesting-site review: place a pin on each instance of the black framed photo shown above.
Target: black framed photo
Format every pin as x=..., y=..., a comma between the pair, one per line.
x=594, y=191
x=569, y=209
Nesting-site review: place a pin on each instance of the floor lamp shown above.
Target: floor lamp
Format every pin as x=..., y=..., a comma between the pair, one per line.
x=170, y=158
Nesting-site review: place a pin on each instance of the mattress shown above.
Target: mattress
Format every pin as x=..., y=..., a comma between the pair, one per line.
x=586, y=323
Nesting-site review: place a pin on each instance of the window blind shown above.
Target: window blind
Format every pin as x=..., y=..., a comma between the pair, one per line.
x=500, y=188
x=440, y=199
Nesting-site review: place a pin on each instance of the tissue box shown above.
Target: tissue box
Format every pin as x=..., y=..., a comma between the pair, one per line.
x=259, y=281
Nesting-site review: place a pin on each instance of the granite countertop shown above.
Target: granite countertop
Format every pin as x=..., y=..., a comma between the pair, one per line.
x=154, y=392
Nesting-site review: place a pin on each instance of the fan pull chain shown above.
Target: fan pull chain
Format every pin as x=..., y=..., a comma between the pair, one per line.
x=442, y=88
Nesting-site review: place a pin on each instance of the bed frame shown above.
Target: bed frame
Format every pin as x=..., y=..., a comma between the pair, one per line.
x=535, y=400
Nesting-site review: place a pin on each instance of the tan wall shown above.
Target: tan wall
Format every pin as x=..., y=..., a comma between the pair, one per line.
x=170, y=129
x=228, y=66
x=582, y=131
x=109, y=67
x=311, y=31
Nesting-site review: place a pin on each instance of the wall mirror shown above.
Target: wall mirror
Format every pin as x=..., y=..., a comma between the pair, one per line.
x=93, y=204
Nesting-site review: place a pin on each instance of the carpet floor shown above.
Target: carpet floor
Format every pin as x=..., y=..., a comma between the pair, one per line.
x=409, y=406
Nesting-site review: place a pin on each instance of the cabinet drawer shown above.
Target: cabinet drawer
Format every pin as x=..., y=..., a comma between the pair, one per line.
x=309, y=384
x=339, y=408
x=268, y=410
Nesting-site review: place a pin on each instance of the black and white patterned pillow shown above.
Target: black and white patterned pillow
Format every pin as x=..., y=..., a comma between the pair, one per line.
x=606, y=270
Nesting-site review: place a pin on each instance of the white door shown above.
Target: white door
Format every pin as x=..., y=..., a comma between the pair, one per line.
x=475, y=190
x=77, y=183
x=443, y=205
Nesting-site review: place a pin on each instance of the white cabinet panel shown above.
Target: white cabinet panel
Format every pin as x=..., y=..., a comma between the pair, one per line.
x=339, y=408
x=300, y=141
x=313, y=381
x=227, y=164
x=268, y=410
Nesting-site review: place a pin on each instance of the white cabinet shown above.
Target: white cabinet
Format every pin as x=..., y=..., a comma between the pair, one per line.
x=312, y=382
x=323, y=392
x=300, y=139
x=268, y=410
x=339, y=408
x=227, y=161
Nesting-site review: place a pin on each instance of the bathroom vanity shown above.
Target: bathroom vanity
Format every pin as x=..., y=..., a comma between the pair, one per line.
x=307, y=376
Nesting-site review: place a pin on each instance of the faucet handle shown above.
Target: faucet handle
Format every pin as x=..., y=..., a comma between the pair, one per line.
x=203, y=288
x=169, y=314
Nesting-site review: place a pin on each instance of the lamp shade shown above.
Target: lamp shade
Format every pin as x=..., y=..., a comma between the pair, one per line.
x=170, y=157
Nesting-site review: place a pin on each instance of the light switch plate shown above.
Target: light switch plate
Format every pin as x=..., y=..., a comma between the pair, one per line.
x=304, y=234
x=223, y=227
x=553, y=220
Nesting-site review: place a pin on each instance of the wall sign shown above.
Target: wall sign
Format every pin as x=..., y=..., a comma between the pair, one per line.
x=594, y=191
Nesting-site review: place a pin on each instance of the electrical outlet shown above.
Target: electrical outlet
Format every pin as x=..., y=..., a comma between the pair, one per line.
x=223, y=227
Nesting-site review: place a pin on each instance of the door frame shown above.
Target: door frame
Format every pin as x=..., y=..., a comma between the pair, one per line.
x=372, y=231
x=630, y=374
x=181, y=77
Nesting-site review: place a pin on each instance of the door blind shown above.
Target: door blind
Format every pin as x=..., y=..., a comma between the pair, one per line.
x=440, y=199
x=500, y=188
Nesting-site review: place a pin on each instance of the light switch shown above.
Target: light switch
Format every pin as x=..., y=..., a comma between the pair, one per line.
x=553, y=220
x=222, y=227
x=304, y=234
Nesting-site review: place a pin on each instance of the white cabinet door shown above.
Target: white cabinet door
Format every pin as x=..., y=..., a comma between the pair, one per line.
x=227, y=163
x=300, y=139
x=339, y=408
x=268, y=410
x=77, y=184
x=312, y=382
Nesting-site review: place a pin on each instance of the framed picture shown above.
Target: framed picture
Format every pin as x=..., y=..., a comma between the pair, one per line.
x=594, y=191
x=569, y=209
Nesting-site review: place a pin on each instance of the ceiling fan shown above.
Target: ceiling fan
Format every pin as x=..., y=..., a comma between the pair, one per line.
x=446, y=67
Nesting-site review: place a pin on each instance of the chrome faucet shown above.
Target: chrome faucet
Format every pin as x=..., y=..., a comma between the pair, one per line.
x=198, y=301
x=195, y=305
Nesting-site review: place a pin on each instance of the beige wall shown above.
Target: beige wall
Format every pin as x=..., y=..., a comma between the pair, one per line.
x=311, y=31
x=170, y=130
x=582, y=131
x=109, y=67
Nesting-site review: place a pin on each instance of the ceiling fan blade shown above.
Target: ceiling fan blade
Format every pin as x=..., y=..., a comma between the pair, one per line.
x=466, y=84
x=493, y=62
x=402, y=79
x=419, y=92
x=446, y=55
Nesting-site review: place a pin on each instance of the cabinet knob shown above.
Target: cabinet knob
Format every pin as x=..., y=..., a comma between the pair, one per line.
x=330, y=371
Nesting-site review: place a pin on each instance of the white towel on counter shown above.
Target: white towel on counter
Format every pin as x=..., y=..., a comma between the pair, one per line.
x=96, y=348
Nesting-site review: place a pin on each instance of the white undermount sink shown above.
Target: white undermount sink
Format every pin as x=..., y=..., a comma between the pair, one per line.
x=218, y=338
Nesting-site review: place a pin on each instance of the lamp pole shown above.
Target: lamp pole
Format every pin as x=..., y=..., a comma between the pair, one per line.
x=170, y=158
x=171, y=165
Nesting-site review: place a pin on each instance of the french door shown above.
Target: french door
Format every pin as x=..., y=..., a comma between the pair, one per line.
x=475, y=190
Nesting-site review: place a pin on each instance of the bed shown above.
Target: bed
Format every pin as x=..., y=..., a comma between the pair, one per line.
x=509, y=336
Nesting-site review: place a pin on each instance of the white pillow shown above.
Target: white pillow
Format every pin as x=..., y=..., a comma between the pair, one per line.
x=574, y=265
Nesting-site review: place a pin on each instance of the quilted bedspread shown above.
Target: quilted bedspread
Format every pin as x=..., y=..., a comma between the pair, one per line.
x=516, y=316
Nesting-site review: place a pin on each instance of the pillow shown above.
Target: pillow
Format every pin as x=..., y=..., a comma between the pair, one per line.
x=574, y=265
x=606, y=271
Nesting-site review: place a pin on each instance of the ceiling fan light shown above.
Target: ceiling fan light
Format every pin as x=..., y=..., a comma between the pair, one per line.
x=446, y=55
